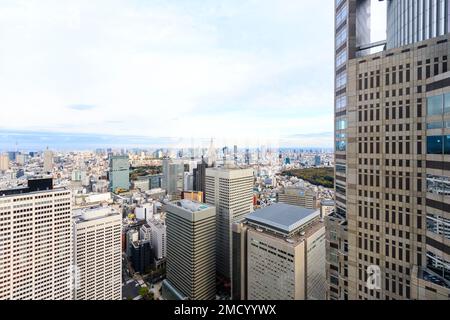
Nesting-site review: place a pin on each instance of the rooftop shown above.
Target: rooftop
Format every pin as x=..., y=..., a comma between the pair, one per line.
x=93, y=213
x=190, y=205
x=282, y=217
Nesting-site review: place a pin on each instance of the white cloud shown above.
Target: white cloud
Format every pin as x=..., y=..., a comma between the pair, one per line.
x=142, y=64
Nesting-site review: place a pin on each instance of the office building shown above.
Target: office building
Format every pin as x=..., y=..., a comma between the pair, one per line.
x=391, y=136
x=159, y=238
x=326, y=207
x=199, y=177
x=298, y=196
x=230, y=190
x=142, y=184
x=119, y=173
x=36, y=242
x=132, y=235
x=144, y=211
x=4, y=162
x=173, y=176
x=141, y=256
x=21, y=159
x=193, y=195
x=191, y=246
x=317, y=160
x=283, y=249
x=145, y=232
x=48, y=161
x=97, y=254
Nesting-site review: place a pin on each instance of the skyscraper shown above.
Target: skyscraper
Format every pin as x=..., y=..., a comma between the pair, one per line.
x=230, y=190
x=199, y=177
x=173, y=176
x=119, y=173
x=98, y=254
x=191, y=246
x=36, y=246
x=391, y=146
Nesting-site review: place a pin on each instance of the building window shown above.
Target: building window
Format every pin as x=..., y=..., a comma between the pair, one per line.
x=435, y=145
x=435, y=105
x=341, y=145
x=341, y=124
x=341, y=58
x=341, y=102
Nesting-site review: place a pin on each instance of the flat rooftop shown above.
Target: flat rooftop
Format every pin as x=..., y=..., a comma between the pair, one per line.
x=282, y=217
x=189, y=205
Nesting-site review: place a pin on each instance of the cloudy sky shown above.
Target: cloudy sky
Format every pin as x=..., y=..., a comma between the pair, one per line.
x=242, y=71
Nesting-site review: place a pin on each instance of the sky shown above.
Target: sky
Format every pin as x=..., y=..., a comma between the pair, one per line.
x=246, y=72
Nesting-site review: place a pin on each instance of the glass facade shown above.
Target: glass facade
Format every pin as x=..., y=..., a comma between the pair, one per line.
x=411, y=21
x=438, y=225
x=435, y=105
x=435, y=145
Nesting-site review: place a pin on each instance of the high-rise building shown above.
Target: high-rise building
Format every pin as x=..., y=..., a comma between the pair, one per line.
x=119, y=173
x=317, y=160
x=191, y=246
x=48, y=161
x=36, y=242
x=4, y=162
x=230, y=190
x=173, y=176
x=199, y=177
x=282, y=252
x=391, y=148
x=97, y=254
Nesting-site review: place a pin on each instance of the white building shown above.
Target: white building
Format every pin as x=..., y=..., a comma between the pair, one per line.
x=144, y=212
x=145, y=233
x=98, y=254
x=36, y=243
x=158, y=238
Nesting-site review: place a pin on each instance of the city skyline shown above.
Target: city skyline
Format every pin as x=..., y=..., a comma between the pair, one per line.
x=187, y=68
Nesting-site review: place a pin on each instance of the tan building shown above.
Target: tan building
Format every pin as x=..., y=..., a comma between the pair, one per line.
x=387, y=239
x=4, y=162
x=281, y=255
x=230, y=190
x=298, y=196
x=191, y=246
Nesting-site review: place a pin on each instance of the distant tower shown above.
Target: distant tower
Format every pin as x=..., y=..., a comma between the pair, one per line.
x=212, y=157
x=247, y=156
x=48, y=160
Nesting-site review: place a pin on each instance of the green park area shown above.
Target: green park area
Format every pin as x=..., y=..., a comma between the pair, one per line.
x=317, y=176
